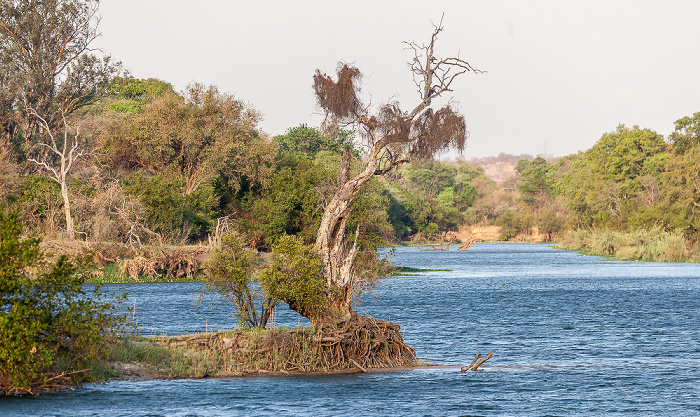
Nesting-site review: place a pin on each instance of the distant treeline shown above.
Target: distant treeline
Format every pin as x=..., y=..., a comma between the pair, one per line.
x=166, y=167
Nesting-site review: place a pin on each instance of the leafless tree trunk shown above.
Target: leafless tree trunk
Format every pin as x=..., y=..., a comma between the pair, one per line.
x=58, y=157
x=393, y=137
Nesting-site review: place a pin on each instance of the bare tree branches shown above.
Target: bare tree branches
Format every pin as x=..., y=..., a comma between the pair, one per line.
x=59, y=157
x=434, y=76
x=393, y=137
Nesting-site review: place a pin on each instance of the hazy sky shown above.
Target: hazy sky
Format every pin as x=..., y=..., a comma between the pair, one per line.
x=560, y=73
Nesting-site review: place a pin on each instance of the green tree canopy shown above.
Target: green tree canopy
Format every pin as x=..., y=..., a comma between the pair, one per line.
x=536, y=182
x=687, y=133
x=196, y=138
x=48, y=64
x=602, y=181
x=308, y=141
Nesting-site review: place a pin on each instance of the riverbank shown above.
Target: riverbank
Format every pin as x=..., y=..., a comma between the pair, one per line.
x=359, y=345
x=653, y=245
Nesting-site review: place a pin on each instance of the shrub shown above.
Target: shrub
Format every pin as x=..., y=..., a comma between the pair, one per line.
x=169, y=211
x=294, y=276
x=51, y=329
x=230, y=272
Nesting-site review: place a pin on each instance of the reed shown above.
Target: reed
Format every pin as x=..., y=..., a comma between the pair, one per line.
x=653, y=244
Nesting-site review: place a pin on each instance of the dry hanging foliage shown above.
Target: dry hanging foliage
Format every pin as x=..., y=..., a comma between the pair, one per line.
x=339, y=97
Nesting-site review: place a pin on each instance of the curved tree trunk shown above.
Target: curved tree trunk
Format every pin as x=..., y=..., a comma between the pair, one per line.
x=337, y=255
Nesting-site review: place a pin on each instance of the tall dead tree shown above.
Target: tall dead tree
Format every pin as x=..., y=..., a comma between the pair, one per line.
x=58, y=157
x=393, y=136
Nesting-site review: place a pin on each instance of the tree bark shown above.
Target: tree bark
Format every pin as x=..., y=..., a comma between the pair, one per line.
x=337, y=256
x=70, y=230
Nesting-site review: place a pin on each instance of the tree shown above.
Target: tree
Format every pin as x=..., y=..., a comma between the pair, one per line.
x=680, y=195
x=604, y=179
x=48, y=65
x=307, y=141
x=687, y=133
x=61, y=153
x=195, y=138
x=230, y=272
x=393, y=137
x=51, y=329
x=536, y=182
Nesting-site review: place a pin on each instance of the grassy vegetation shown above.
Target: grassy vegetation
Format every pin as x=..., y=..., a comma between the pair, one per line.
x=407, y=271
x=654, y=244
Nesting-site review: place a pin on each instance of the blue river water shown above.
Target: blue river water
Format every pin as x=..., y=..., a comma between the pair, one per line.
x=572, y=335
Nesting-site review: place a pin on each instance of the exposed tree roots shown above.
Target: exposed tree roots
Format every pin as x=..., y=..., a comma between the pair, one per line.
x=357, y=344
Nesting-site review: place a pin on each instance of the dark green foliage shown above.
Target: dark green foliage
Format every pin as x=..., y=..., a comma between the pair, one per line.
x=549, y=223
x=686, y=134
x=231, y=272
x=39, y=202
x=171, y=212
x=51, y=328
x=288, y=204
x=680, y=198
x=307, y=141
x=431, y=177
x=604, y=179
x=536, y=181
x=466, y=196
x=293, y=275
x=512, y=223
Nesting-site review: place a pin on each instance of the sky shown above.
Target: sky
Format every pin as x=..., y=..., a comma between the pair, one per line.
x=559, y=74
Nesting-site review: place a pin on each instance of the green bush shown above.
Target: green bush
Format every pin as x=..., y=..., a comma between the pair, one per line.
x=231, y=272
x=169, y=211
x=39, y=202
x=653, y=244
x=51, y=329
x=293, y=275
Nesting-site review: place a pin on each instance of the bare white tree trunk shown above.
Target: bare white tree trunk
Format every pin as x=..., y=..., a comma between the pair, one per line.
x=66, y=158
x=70, y=230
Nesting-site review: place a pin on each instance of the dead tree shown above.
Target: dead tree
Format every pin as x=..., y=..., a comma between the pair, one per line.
x=392, y=136
x=467, y=244
x=58, y=157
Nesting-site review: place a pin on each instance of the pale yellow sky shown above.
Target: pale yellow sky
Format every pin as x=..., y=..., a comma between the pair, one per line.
x=559, y=72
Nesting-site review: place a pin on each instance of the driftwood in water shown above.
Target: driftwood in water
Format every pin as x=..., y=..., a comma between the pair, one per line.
x=467, y=244
x=476, y=363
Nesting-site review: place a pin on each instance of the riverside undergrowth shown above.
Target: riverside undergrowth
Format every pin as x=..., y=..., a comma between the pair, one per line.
x=654, y=244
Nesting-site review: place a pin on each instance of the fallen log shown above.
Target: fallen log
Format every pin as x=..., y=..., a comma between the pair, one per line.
x=476, y=362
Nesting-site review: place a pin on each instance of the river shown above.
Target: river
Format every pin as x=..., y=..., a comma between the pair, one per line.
x=572, y=335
